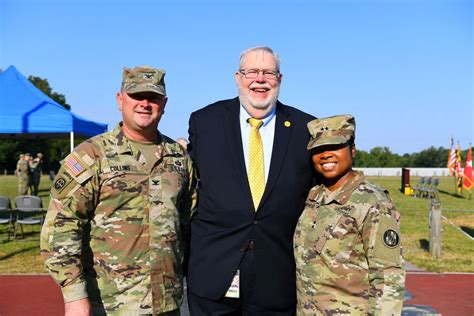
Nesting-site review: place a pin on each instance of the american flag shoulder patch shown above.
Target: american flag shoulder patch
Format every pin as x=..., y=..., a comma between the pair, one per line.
x=74, y=165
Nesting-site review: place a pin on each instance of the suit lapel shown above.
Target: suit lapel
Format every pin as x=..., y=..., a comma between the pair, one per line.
x=280, y=146
x=236, y=152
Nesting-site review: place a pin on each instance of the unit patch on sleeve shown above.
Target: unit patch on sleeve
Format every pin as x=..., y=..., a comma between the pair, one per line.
x=59, y=184
x=391, y=238
x=387, y=240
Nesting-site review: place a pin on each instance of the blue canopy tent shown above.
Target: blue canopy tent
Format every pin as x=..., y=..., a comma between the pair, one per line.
x=26, y=112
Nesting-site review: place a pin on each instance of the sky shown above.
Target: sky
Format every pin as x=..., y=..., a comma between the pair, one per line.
x=403, y=68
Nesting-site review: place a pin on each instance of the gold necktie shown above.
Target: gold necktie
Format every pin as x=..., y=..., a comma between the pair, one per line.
x=256, y=172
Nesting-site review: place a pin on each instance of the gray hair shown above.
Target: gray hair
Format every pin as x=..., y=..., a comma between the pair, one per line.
x=261, y=49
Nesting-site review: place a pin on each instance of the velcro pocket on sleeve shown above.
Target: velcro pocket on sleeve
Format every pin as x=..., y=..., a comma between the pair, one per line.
x=388, y=241
x=73, y=173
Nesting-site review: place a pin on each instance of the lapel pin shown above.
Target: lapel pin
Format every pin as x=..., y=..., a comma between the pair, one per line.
x=287, y=123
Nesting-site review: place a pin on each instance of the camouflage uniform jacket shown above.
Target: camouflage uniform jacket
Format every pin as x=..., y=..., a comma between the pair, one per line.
x=23, y=169
x=17, y=170
x=348, y=253
x=116, y=231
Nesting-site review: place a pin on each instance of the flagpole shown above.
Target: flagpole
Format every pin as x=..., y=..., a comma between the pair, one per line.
x=451, y=164
x=458, y=170
x=469, y=153
x=455, y=184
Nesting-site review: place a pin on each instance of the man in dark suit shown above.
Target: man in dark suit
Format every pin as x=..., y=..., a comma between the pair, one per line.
x=253, y=181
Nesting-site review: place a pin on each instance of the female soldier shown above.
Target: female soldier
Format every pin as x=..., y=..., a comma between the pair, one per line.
x=347, y=241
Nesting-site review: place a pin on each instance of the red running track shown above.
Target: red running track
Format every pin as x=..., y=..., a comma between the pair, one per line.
x=22, y=295
x=447, y=294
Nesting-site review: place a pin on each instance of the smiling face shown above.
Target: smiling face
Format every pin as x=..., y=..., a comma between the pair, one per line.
x=258, y=95
x=141, y=113
x=334, y=163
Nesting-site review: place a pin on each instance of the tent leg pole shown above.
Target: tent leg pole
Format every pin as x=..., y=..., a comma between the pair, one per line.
x=71, y=138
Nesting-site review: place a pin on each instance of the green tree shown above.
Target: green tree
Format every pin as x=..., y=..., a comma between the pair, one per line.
x=363, y=159
x=384, y=158
x=44, y=86
x=407, y=160
x=431, y=157
x=9, y=154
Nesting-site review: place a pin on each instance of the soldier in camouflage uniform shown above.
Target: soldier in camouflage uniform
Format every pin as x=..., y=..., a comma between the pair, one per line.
x=20, y=158
x=116, y=232
x=36, y=168
x=23, y=173
x=347, y=241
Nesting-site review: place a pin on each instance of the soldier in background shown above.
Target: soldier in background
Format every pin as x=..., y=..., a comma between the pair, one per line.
x=36, y=166
x=347, y=241
x=20, y=158
x=123, y=198
x=23, y=173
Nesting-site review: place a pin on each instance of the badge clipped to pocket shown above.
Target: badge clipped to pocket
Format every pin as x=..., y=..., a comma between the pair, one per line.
x=234, y=289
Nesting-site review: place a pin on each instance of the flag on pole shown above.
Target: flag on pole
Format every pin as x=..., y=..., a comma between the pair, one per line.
x=468, y=170
x=451, y=159
x=459, y=171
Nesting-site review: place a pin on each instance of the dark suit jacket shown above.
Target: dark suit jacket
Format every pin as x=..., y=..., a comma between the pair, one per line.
x=226, y=220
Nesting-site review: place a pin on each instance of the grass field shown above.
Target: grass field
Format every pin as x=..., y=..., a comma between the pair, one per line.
x=22, y=255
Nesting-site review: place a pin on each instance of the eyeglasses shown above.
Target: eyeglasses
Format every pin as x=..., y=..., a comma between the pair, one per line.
x=253, y=73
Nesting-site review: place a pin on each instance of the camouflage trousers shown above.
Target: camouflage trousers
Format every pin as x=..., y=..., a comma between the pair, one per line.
x=23, y=185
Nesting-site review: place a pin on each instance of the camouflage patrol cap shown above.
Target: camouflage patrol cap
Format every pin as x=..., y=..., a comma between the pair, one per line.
x=143, y=79
x=333, y=130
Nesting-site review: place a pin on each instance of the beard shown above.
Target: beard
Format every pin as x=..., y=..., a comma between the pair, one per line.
x=269, y=102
